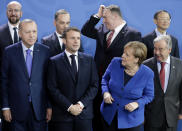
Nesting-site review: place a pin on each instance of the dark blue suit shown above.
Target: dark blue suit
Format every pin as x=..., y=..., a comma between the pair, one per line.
x=140, y=89
x=66, y=90
x=16, y=86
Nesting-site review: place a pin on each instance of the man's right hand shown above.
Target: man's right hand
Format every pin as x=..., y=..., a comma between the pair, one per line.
x=7, y=115
x=100, y=11
x=75, y=109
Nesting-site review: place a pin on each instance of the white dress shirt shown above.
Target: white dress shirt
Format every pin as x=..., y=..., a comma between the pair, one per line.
x=12, y=30
x=158, y=33
x=60, y=39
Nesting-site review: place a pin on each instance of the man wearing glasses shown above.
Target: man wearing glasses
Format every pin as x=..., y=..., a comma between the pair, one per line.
x=162, y=19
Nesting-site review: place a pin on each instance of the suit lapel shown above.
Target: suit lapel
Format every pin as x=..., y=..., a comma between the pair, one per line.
x=21, y=59
x=68, y=66
x=80, y=66
x=35, y=60
x=57, y=44
x=119, y=36
x=8, y=34
x=171, y=74
x=155, y=69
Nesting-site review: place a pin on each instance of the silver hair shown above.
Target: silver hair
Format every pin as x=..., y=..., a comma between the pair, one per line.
x=166, y=38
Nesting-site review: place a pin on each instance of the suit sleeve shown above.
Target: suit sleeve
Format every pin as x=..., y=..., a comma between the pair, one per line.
x=91, y=92
x=5, y=80
x=52, y=86
x=148, y=93
x=89, y=29
x=176, y=50
x=106, y=78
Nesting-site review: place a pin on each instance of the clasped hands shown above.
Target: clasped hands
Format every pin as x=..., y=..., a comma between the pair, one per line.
x=130, y=107
x=75, y=109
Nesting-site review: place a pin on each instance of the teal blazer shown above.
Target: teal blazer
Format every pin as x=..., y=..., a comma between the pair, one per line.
x=140, y=89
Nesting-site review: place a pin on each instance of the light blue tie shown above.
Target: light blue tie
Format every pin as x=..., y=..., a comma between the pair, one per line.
x=29, y=61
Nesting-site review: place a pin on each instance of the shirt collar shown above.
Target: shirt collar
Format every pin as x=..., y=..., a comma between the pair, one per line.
x=68, y=53
x=11, y=26
x=158, y=33
x=25, y=48
x=167, y=61
x=58, y=35
x=118, y=28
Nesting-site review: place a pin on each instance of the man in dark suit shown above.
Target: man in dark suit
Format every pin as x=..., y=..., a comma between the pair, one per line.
x=54, y=41
x=162, y=19
x=23, y=93
x=73, y=84
x=9, y=31
x=111, y=37
x=163, y=112
x=9, y=34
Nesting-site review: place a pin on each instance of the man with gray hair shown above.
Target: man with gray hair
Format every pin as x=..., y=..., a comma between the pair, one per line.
x=163, y=112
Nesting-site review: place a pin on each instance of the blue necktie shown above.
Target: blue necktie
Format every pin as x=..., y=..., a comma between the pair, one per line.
x=73, y=65
x=15, y=35
x=29, y=61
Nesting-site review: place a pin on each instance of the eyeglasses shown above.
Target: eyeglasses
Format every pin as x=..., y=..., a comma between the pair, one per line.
x=164, y=19
x=13, y=10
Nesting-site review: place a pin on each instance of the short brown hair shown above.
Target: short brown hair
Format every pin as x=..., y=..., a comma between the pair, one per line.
x=69, y=29
x=139, y=50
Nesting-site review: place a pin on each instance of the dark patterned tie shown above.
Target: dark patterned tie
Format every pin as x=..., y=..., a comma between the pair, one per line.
x=15, y=35
x=73, y=65
x=109, y=38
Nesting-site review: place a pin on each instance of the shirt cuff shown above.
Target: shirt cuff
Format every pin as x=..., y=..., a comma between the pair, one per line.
x=81, y=104
x=96, y=16
x=6, y=108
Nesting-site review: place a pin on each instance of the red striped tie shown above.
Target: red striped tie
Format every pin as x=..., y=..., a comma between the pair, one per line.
x=109, y=38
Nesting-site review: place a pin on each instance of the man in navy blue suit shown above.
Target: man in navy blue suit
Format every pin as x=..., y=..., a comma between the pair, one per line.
x=72, y=83
x=23, y=93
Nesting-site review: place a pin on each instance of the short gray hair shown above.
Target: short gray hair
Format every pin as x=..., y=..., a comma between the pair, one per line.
x=166, y=38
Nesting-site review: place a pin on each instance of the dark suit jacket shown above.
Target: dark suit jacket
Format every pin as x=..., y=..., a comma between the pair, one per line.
x=5, y=38
x=65, y=90
x=16, y=86
x=148, y=41
x=104, y=55
x=53, y=43
x=168, y=103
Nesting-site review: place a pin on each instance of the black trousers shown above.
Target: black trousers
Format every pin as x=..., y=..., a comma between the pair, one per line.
x=75, y=125
x=114, y=126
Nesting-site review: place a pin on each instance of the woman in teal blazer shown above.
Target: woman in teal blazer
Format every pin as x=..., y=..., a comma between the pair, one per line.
x=127, y=86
